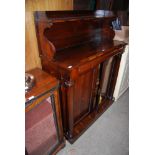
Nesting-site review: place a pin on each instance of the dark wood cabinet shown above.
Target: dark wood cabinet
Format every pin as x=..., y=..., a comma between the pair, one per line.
x=43, y=124
x=78, y=48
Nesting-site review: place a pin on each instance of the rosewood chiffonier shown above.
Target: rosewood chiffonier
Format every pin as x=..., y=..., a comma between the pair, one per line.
x=78, y=48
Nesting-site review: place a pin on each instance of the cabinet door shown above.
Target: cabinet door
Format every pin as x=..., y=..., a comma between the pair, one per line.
x=43, y=133
x=84, y=94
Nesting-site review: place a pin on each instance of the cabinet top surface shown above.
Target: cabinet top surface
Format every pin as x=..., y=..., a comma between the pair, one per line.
x=43, y=83
x=75, y=55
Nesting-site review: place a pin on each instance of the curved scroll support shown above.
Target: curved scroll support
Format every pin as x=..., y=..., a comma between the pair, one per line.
x=46, y=48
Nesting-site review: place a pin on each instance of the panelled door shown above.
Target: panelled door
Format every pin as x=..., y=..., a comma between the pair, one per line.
x=84, y=94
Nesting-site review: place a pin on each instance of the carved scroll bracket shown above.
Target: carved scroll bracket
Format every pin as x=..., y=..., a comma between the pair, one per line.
x=46, y=48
